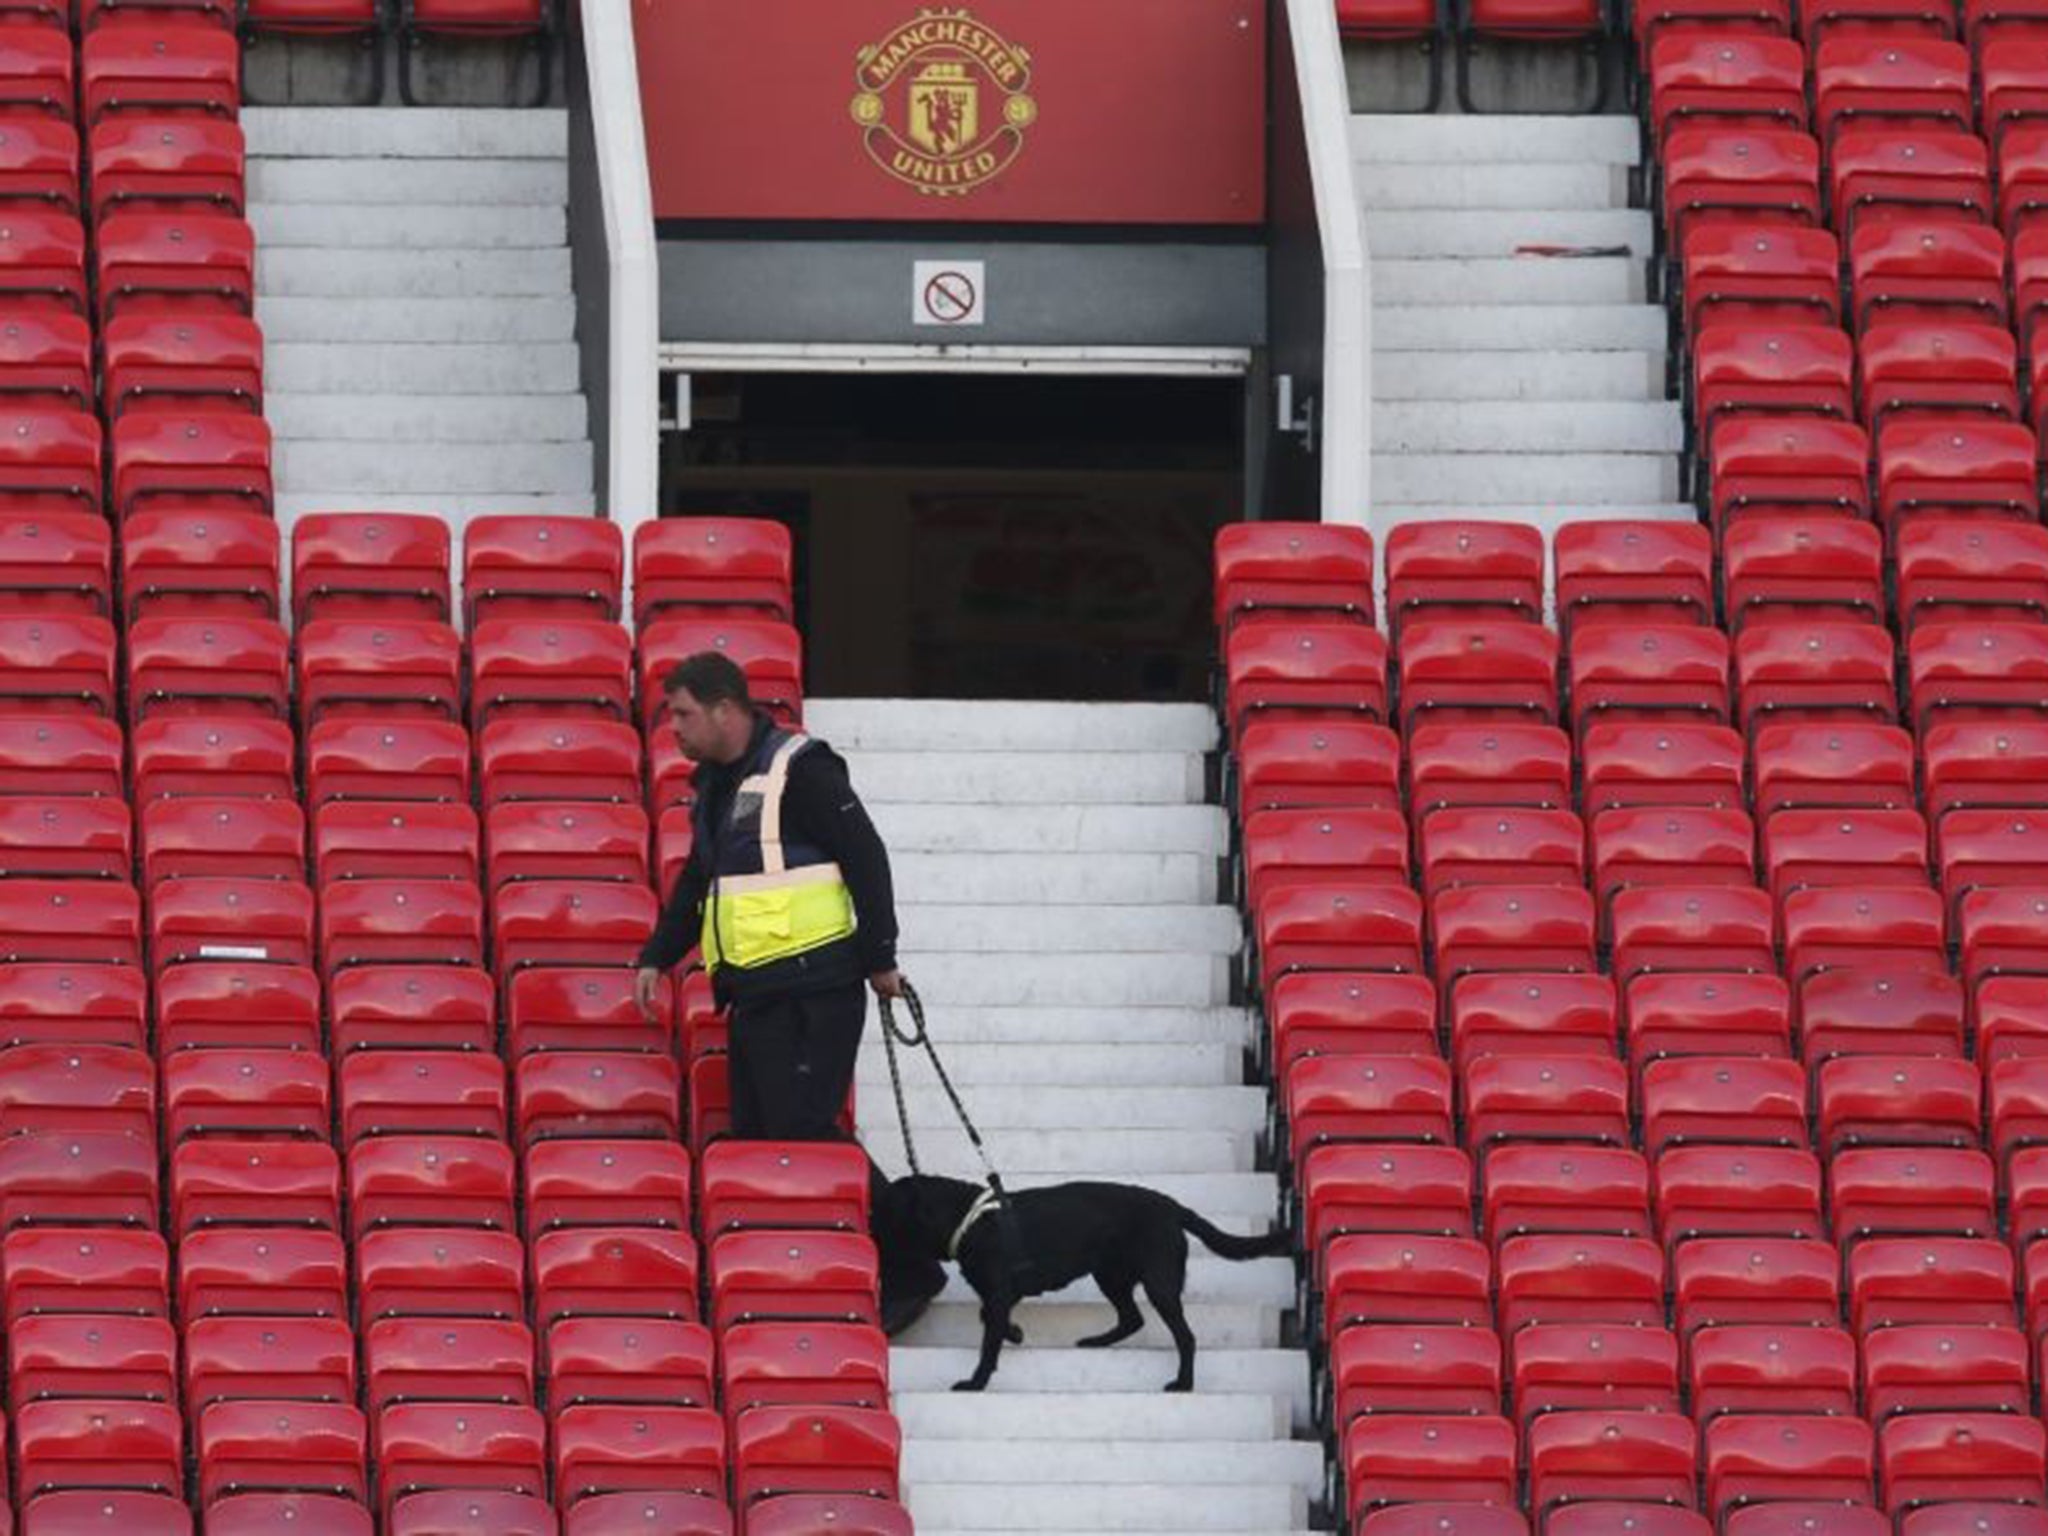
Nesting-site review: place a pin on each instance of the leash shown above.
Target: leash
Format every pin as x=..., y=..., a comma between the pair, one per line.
x=916, y=1038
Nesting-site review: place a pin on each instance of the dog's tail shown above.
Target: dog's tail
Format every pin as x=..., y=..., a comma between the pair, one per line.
x=1227, y=1245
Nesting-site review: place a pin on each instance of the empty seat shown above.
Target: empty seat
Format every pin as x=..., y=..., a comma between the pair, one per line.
x=801, y=1277
x=556, y=666
x=586, y=1183
x=447, y=1181
x=1928, y=1458
x=1533, y=1188
x=425, y=1446
x=1859, y=848
x=68, y=837
x=1731, y=268
x=58, y=561
x=1973, y=467
x=1468, y=669
x=1338, y=844
x=1671, y=845
x=191, y=459
x=1692, y=928
x=1367, y=1098
x=612, y=1448
x=237, y=1003
x=212, y=665
x=400, y=922
x=216, y=1181
x=1405, y=1278
x=1925, y=267
x=1808, y=765
x=1602, y=1455
x=1716, y=170
x=70, y=920
x=563, y=1008
x=1971, y=568
x=783, y=1185
x=597, y=1093
x=370, y=565
x=238, y=835
x=187, y=563
x=161, y=359
x=569, y=922
x=380, y=840
x=1884, y=1007
x=1910, y=171
x=1282, y=764
x=663, y=1360
x=1706, y=1015
x=1875, y=1191
x=230, y=918
x=745, y=563
x=1800, y=567
x=223, y=755
x=613, y=1272
x=1949, y=366
x=1356, y=927
x=386, y=759
x=1492, y=762
x=1400, y=1458
x=307, y=1448
x=1512, y=928
x=473, y=1511
x=1579, y=1278
x=1753, y=1458
x=1922, y=1369
x=205, y=262
x=781, y=1449
x=1898, y=1101
x=1483, y=569
x=1723, y=1099
x=1384, y=1188
x=1649, y=672
x=1567, y=1367
x=245, y=1093
x=98, y=1444
x=1552, y=1098
x=307, y=1359
x=1301, y=670
x=381, y=666
x=1814, y=670
x=1975, y=671
x=434, y=1272
x=55, y=1270
x=60, y=753
x=262, y=1271
x=696, y=1514
x=42, y=260
x=1661, y=763
x=1729, y=1281
x=523, y=567
x=428, y=1093
x=1538, y=1014
x=1797, y=364
x=1488, y=845
x=1627, y=571
x=447, y=1359
x=1771, y=1368
x=1257, y=567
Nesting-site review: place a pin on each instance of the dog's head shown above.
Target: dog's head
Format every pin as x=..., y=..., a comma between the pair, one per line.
x=917, y=1215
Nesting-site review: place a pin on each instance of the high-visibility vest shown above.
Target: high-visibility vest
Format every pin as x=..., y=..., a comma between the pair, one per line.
x=769, y=899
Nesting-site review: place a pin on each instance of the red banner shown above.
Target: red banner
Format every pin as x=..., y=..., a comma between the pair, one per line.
x=997, y=111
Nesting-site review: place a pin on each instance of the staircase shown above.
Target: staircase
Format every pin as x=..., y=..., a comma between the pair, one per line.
x=1525, y=387
x=419, y=320
x=1056, y=876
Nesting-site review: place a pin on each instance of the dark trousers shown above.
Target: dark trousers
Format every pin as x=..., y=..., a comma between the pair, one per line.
x=792, y=1066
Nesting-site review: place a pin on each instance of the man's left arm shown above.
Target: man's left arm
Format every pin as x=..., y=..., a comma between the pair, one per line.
x=821, y=796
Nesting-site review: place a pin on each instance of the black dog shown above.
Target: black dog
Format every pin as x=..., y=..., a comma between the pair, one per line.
x=1124, y=1236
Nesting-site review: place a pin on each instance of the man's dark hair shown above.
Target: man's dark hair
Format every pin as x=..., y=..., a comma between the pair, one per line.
x=710, y=677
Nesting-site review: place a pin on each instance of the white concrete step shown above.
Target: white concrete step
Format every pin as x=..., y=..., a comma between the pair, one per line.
x=410, y=468
x=1138, y=1157
x=524, y=319
x=328, y=226
x=559, y=418
x=435, y=368
x=1053, y=1025
x=996, y=1414
x=1390, y=138
x=1072, y=829
x=967, y=725
x=949, y=977
x=406, y=133
x=954, y=927
x=1042, y=778
x=1487, y=479
x=1484, y=328
x=1463, y=184
x=1508, y=280
x=1124, y=1369
x=1053, y=878
x=1059, y=1322
x=1529, y=427
x=457, y=509
x=1027, y=1506
x=1561, y=375
x=1065, y=1106
x=367, y=272
x=1192, y=1463
x=974, y=1065
x=1211, y=1281
x=1394, y=232
x=424, y=181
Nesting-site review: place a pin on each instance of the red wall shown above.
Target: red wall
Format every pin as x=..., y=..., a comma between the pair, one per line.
x=1027, y=111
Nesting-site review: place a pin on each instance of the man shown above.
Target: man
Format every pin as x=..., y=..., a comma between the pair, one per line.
x=787, y=895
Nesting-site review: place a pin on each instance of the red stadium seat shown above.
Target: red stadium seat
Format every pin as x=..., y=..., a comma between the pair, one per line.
x=163, y=361
x=1963, y=1517
x=304, y=1448
x=50, y=459
x=217, y=1182
x=1887, y=1006
x=236, y=836
x=1950, y=366
x=374, y=840
x=565, y=841
x=1933, y=1457
x=60, y=562
x=42, y=261
x=70, y=920
x=631, y=1359
x=1971, y=568
x=1918, y=170
x=1726, y=74
x=421, y=1093
x=1542, y=1015
x=1562, y=1368
x=1625, y=571
x=218, y=917
x=200, y=262
x=1710, y=1099
x=1864, y=19
x=1367, y=1098
x=562, y=1008
x=370, y=565
x=1706, y=1015
x=1512, y=928
x=1922, y=268
x=1399, y=1458
x=69, y=836
x=768, y=651
x=245, y=1093
x=45, y=358
x=729, y=562
x=1436, y=1518
x=1281, y=763
x=306, y=1359
x=583, y=1183
x=560, y=666
x=473, y=1511
x=1405, y=1278
x=1757, y=365
x=800, y=1277
x=782, y=1185
x=164, y=163
x=1301, y=670
x=1492, y=762
x=1576, y=1277
x=1975, y=671
x=1551, y=1098
x=1480, y=570
x=781, y=1449
x=1359, y=927
x=616, y=1448
x=1944, y=1282
x=687, y=1514
x=2016, y=1096
x=1814, y=670
x=1832, y=764
x=526, y=567
x=237, y=1004
x=1850, y=846
x=2001, y=930
x=1776, y=464
x=438, y=1273
x=215, y=665
x=1719, y=1282
x=229, y=755
x=1716, y=171
x=159, y=65
x=79, y=1356
x=613, y=1272
x=425, y=1446
x=565, y=759
x=54, y=1270
x=447, y=1359
x=37, y=65
x=1875, y=1191
x=1794, y=568
x=1575, y=1189
x=597, y=1093
x=385, y=667
x=1600, y=1455
x=1671, y=845
x=1349, y=1188
x=1706, y=1191
x=1661, y=763
x=1752, y=1458
x=98, y=1444
x=1955, y=466
x=1413, y=1368
x=1768, y=1368
x=1692, y=928
x=2012, y=1019
x=266, y=1271
x=446, y=1181
x=192, y=564
x=1476, y=669
x=383, y=758
x=1308, y=847
x=1649, y=672
x=569, y=922
x=1731, y=268
x=77, y=1002
x=1898, y=1101
x=400, y=922
x=55, y=752
x=1257, y=568
x=1498, y=845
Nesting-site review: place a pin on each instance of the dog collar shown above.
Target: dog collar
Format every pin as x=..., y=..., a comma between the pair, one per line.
x=983, y=1204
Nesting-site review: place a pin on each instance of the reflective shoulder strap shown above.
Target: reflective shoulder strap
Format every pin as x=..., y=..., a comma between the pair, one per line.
x=774, y=781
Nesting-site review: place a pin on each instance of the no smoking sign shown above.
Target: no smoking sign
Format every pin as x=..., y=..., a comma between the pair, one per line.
x=949, y=293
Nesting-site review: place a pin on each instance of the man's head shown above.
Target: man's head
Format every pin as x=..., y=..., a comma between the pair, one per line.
x=710, y=708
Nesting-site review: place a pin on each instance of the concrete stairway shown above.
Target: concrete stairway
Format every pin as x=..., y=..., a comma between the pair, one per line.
x=1515, y=386
x=419, y=322
x=1056, y=871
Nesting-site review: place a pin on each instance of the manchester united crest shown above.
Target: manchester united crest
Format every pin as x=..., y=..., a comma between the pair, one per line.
x=943, y=102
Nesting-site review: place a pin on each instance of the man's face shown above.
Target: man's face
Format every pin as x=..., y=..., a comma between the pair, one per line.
x=700, y=729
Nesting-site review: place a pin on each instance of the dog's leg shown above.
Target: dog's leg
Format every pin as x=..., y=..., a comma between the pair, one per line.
x=995, y=1328
x=1121, y=1291
x=1163, y=1287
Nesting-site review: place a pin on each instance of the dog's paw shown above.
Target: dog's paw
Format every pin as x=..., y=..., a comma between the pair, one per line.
x=1177, y=1385
x=969, y=1385
x=1015, y=1334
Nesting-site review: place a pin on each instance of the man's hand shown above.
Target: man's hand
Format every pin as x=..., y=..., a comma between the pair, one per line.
x=887, y=983
x=647, y=992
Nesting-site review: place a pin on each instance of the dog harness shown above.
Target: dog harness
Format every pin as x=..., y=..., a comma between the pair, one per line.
x=983, y=1204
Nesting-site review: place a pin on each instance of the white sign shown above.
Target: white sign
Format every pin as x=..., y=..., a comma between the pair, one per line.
x=949, y=293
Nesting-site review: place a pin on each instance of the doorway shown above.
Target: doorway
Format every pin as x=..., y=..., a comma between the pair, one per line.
x=980, y=536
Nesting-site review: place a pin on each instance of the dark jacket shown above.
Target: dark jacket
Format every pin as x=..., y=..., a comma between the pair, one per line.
x=820, y=808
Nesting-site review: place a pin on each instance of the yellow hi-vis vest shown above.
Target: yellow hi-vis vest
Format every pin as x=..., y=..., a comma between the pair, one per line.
x=755, y=919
